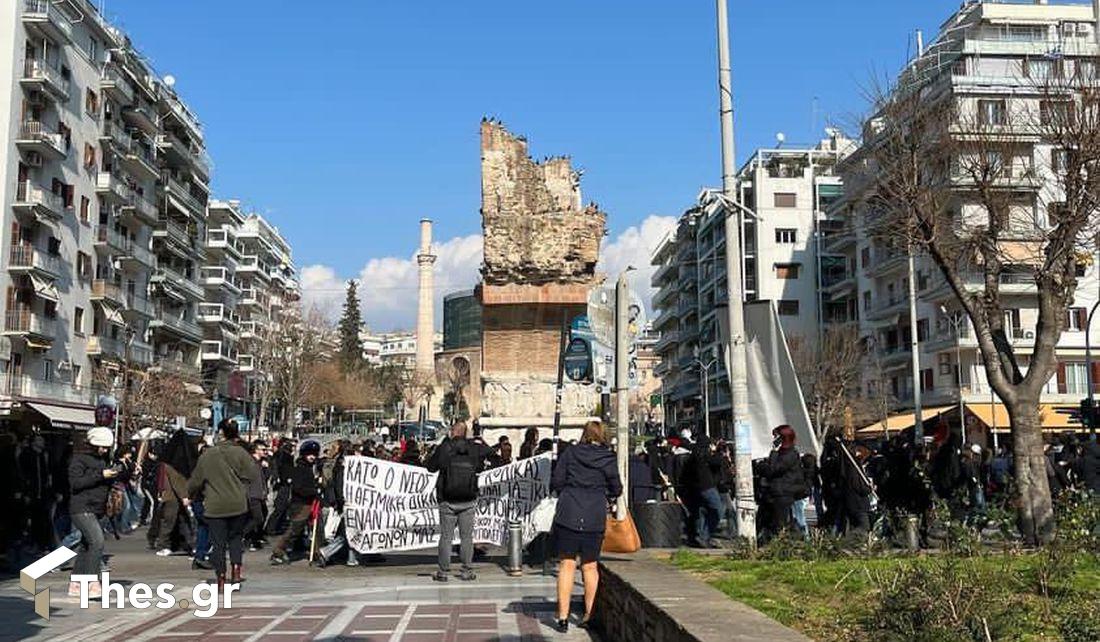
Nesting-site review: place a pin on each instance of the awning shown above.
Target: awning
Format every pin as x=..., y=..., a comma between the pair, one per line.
x=901, y=422
x=194, y=388
x=112, y=313
x=172, y=293
x=1053, y=421
x=64, y=416
x=44, y=289
x=38, y=345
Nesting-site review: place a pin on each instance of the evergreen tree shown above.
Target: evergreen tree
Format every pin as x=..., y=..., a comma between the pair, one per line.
x=351, y=347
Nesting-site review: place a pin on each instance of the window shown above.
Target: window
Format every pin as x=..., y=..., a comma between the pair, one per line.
x=1059, y=160
x=945, y=363
x=85, y=207
x=91, y=103
x=93, y=49
x=50, y=309
x=865, y=257
x=786, y=235
x=89, y=156
x=66, y=135
x=991, y=112
x=78, y=321
x=1076, y=319
x=53, y=246
x=76, y=375
x=786, y=199
x=959, y=68
x=866, y=301
x=83, y=265
x=47, y=370
x=788, y=308
x=1055, y=112
x=787, y=270
x=68, y=194
x=1072, y=378
x=922, y=329
x=927, y=380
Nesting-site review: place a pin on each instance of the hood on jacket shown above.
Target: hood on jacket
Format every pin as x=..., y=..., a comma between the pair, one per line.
x=593, y=455
x=180, y=453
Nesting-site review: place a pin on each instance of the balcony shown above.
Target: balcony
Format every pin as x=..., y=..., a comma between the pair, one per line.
x=35, y=201
x=246, y=363
x=103, y=290
x=113, y=188
x=141, y=159
x=218, y=277
x=44, y=17
x=219, y=314
x=40, y=76
x=34, y=136
x=141, y=353
x=141, y=209
x=106, y=347
x=138, y=306
x=181, y=194
x=135, y=255
x=250, y=297
x=27, y=259
x=177, y=281
x=116, y=136
x=114, y=84
x=110, y=240
x=165, y=320
x=219, y=351
x=24, y=387
x=222, y=240
x=142, y=117
x=21, y=321
x=175, y=233
x=184, y=153
x=251, y=329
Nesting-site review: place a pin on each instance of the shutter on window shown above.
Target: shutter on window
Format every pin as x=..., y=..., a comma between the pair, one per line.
x=1061, y=378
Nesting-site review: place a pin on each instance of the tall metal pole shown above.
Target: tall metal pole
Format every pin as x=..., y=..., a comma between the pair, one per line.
x=622, y=389
x=959, y=369
x=706, y=400
x=738, y=366
x=914, y=339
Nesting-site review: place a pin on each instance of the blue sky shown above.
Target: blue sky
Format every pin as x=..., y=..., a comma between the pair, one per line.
x=345, y=121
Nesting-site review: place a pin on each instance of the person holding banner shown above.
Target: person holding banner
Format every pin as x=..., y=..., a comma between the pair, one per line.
x=458, y=461
x=586, y=480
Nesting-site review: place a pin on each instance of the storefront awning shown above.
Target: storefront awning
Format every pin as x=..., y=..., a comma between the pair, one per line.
x=995, y=415
x=44, y=289
x=64, y=416
x=901, y=422
x=194, y=388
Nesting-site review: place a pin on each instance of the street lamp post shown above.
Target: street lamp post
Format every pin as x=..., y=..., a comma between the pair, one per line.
x=704, y=369
x=957, y=321
x=1088, y=367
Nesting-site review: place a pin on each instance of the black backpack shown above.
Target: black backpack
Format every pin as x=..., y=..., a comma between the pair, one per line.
x=460, y=474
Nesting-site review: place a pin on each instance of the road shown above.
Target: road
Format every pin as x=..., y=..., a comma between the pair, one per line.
x=391, y=601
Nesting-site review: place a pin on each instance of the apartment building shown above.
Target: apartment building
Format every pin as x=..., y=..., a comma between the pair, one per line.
x=250, y=282
x=788, y=190
x=991, y=59
x=95, y=148
x=399, y=348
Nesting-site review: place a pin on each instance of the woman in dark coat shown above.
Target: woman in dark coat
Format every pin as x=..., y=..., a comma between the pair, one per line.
x=90, y=480
x=586, y=479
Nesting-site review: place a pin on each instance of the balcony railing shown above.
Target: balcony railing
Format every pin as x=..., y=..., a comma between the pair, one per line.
x=24, y=321
x=246, y=362
x=46, y=11
x=178, y=190
x=23, y=256
x=179, y=324
x=105, y=235
x=34, y=131
x=178, y=280
x=115, y=132
x=106, y=346
x=108, y=182
x=215, y=350
x=113, y=80
x=30, y=195
x=103, y=289
x=34, y=69
x=139, y=304
x=143, y=208
x=174, y=231
x=23, y=386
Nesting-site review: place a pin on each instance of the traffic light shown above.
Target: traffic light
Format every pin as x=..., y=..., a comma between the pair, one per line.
x=1090, y=413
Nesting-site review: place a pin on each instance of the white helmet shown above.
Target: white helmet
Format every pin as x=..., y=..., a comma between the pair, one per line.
x=102, y=437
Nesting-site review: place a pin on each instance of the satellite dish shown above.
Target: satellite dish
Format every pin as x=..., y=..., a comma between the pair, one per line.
x=170, y=80
x=780, y=138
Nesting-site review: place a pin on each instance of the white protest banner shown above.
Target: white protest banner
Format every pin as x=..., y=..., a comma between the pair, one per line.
x=392, y=507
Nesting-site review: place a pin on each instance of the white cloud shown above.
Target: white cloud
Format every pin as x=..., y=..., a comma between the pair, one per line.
x=388, y=285
x=633, y=248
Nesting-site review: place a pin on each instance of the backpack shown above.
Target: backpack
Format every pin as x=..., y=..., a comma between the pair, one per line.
x=459, y=475
x=116, y=500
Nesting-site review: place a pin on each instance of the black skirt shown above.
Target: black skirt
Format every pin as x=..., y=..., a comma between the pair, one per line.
x=571, y=543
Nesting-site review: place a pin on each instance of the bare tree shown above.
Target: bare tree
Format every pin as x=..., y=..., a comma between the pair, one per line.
x=962, y=181
x=296, y=346
x=831, y=372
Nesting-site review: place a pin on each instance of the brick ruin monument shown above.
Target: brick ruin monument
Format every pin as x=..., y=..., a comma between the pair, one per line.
x=541, y=249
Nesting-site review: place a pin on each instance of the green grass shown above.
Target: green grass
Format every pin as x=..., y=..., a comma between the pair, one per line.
x=836, y=600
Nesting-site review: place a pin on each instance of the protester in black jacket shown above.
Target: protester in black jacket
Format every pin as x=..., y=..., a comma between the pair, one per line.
x=458, y=460
x=586, y=479
x=785, y=481
x=706, y=470
x=90, y=480
x=305, y=488
x=1090, y=466
x=283, y=465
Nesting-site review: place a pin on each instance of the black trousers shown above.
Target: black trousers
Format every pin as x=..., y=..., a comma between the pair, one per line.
x=254, y=531
x=226, y=532
x=279, y=511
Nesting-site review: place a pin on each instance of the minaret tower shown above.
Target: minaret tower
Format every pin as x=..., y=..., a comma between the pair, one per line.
x=425, y=316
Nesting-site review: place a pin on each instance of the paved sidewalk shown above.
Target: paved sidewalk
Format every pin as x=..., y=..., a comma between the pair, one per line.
x=394, y=601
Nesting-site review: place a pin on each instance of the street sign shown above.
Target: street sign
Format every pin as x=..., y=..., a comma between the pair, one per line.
x=578, y=360
x=599, y=327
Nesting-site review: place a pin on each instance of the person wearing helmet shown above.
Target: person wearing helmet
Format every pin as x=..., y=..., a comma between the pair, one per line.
x=305, y=488
x=90, y=480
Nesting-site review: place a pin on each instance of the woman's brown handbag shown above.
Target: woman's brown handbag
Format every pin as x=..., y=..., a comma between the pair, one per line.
x=621, y=536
